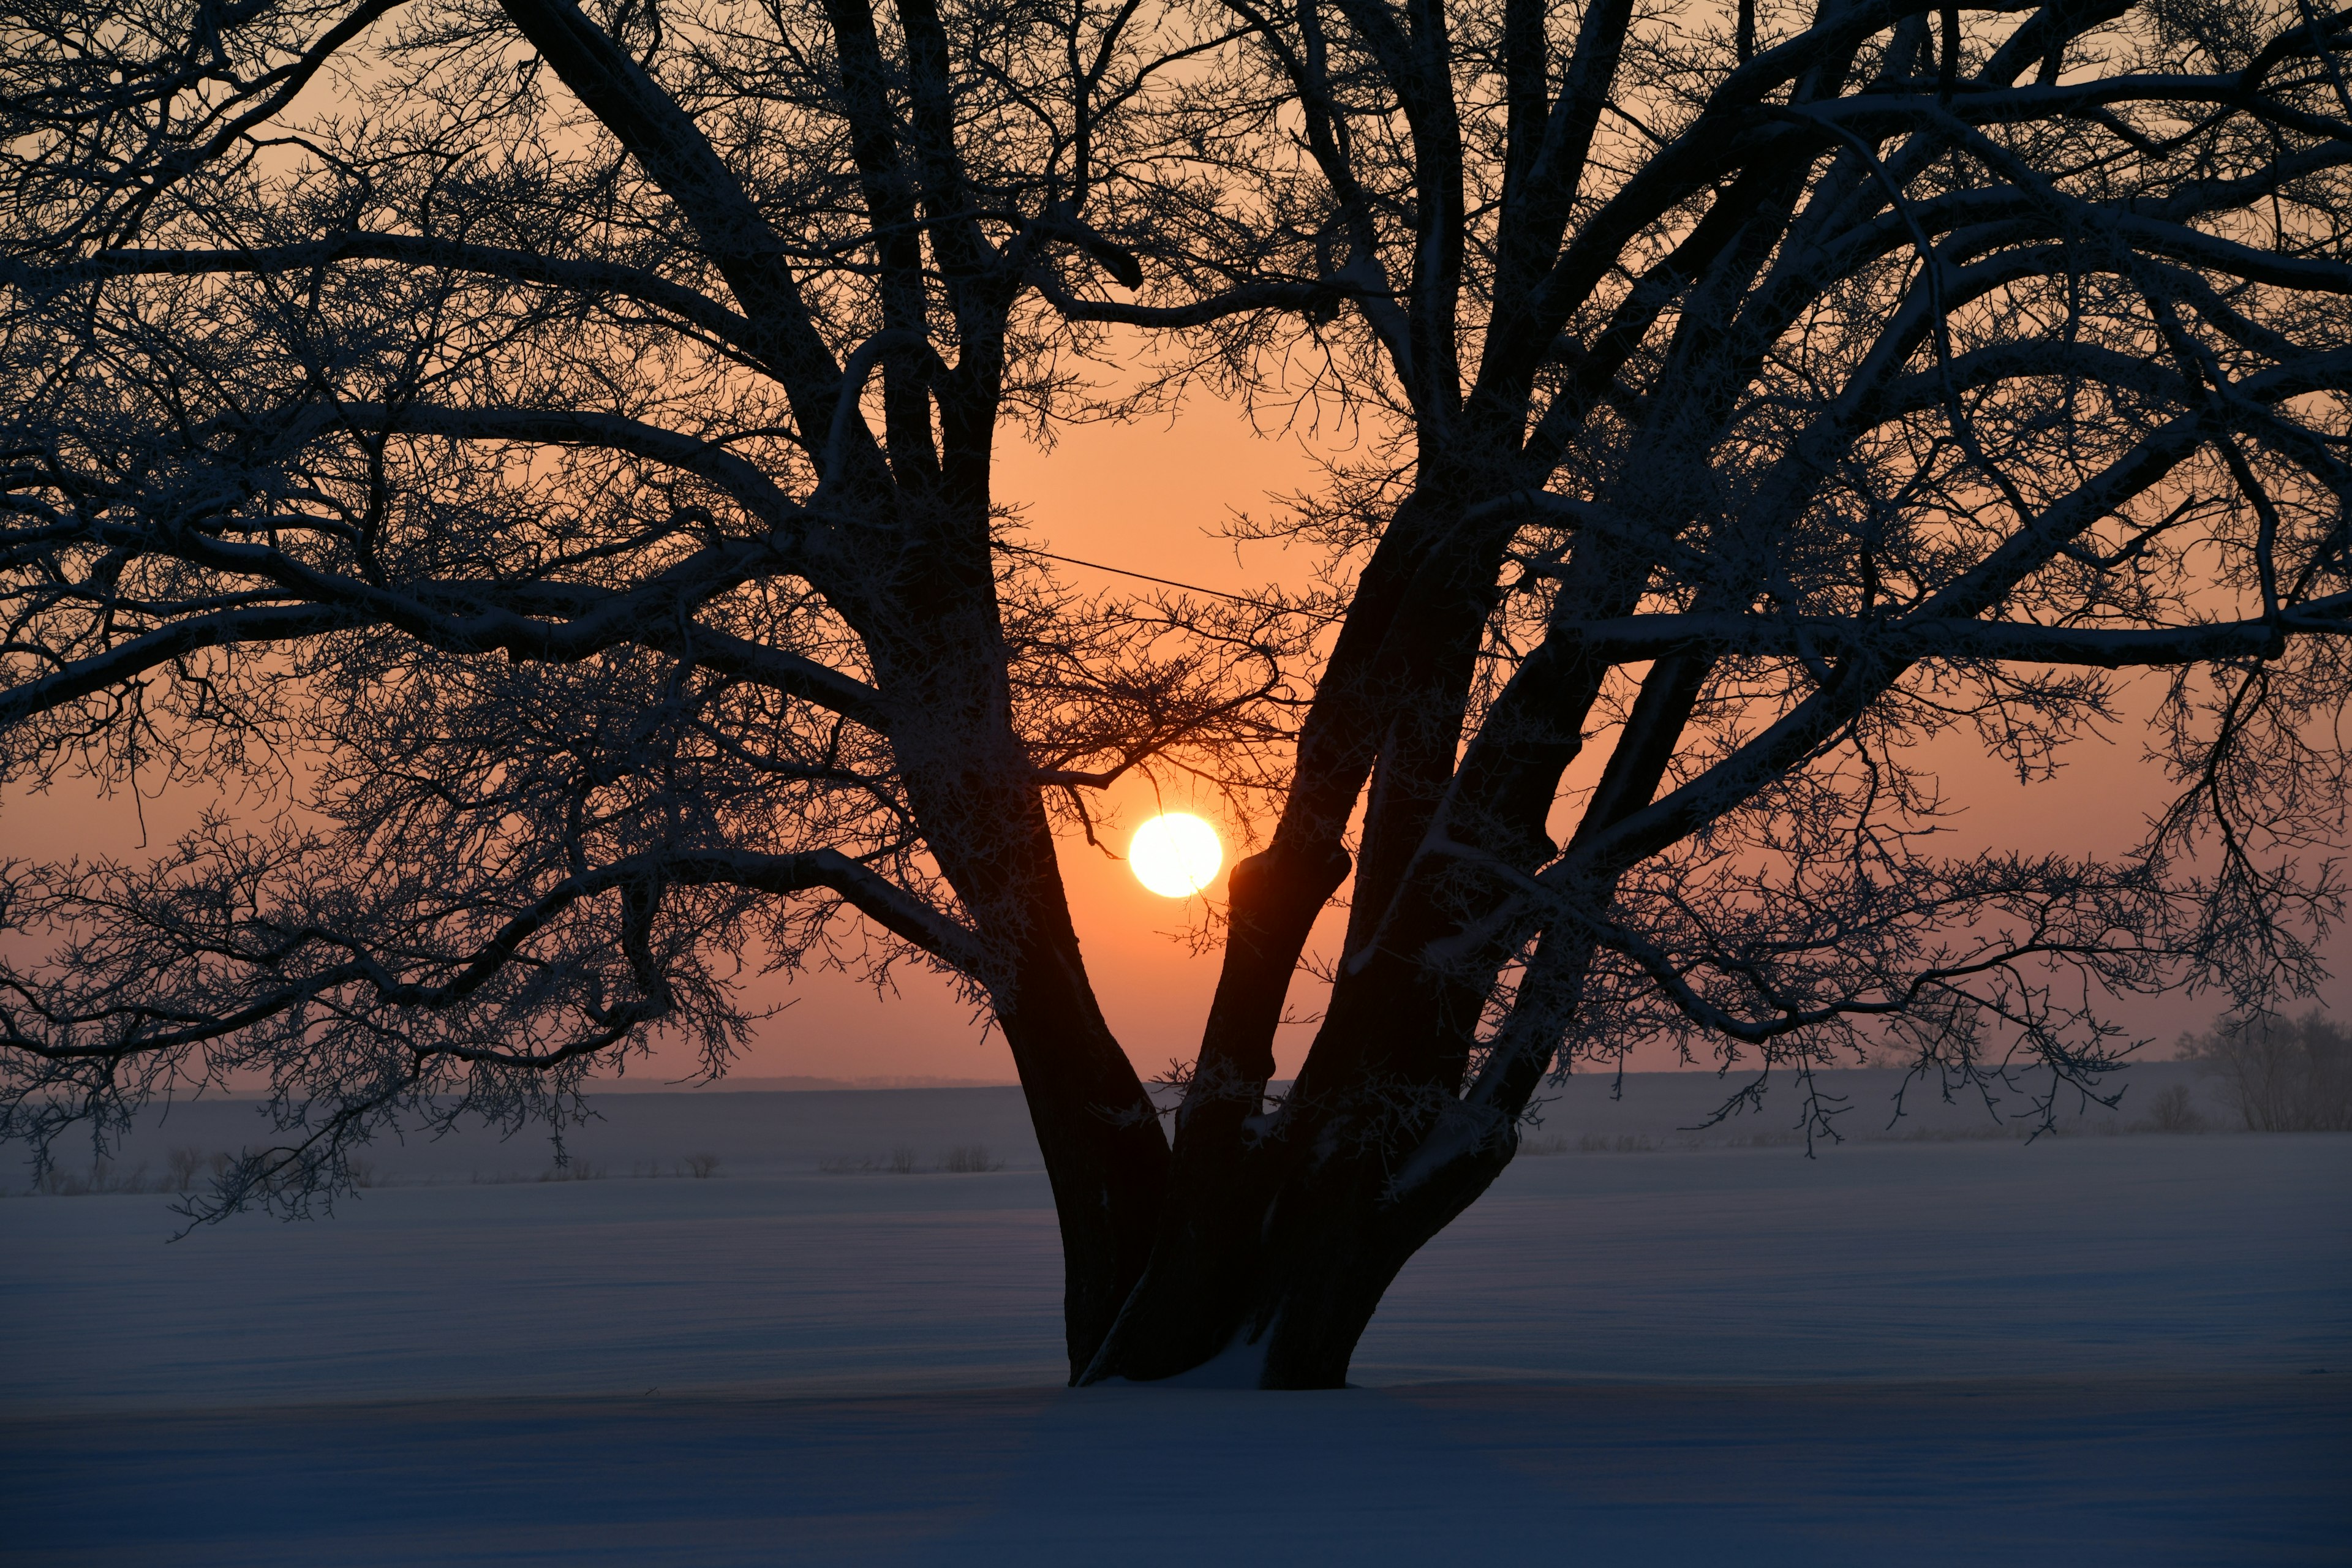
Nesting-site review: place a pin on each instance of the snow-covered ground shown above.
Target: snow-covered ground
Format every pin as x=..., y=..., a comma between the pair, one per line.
x=760, y=1132
x=2091, y=1349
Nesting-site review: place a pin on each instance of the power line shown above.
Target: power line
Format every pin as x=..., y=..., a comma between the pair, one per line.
x=1166, y=582
x=1139, y=576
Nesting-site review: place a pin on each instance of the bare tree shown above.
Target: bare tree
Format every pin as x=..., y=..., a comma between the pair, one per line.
x=1775, y=392
x=565, y=451
x=558, y=449
x=2281, y=1075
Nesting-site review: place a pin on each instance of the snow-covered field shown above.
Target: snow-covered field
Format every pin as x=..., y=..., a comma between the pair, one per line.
x=2092, y=1349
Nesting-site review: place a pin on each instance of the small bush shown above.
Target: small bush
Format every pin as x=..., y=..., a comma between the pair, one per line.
x=103, y=1178
x=2171, y=1112
x=184, y=1166
x=702, y=1167
x=964, y=1159
x=1588, y=1143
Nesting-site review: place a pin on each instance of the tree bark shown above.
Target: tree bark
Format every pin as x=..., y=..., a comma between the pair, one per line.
x=1275, y=1274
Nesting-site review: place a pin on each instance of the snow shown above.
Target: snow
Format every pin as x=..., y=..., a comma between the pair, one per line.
x=2086, y=1350
x=763, y=1132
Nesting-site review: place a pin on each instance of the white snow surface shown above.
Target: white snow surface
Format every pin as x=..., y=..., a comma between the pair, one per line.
x=2086, y=1350
x=771, y=1132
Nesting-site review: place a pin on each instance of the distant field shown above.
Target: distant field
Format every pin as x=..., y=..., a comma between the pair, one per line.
x=775, y=1132
x=2086, y=1350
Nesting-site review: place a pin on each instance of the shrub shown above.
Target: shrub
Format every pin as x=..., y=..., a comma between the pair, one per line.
x=183, y=1163
x=2171, y=1112
x=968, y=1158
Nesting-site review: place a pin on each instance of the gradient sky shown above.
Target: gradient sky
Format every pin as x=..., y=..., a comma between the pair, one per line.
x=1149, y=497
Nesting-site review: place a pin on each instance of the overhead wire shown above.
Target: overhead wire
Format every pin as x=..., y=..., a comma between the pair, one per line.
x=1169, y=583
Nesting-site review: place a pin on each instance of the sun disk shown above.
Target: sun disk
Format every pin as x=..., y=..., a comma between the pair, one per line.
x=1176, y=855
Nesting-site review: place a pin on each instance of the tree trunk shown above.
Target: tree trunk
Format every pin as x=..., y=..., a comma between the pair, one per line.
x=1273, y=1273
x=1337, y=1242
x=1096, y=1126
x=1103, y=1151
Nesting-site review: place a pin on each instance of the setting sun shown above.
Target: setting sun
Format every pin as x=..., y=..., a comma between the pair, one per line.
x=1176, y=855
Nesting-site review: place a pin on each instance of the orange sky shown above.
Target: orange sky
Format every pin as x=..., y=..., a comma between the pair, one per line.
x=1172, y=489
x=1148, y=496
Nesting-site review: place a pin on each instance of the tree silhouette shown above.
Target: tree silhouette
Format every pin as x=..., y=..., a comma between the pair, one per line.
x=551, y=451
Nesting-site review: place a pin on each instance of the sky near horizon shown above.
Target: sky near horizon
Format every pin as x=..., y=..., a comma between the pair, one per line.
x=1149, y=497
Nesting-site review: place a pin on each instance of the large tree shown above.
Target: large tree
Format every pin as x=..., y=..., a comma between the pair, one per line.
x=555, y=448
x=1774, y=394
